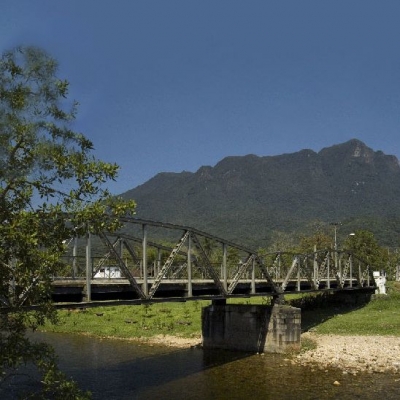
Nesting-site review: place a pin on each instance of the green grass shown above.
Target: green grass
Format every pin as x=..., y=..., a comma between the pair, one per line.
x=139, y=321
x=381, y=316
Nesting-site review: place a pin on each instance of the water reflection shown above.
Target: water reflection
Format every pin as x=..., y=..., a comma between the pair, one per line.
x=114, y=369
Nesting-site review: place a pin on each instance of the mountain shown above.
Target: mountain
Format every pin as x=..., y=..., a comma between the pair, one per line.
x=247, y=198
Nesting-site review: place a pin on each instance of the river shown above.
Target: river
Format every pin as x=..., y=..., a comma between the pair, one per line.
x=116, y=369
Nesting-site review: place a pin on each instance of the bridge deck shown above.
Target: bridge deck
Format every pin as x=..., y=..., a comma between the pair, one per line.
x=65, y=290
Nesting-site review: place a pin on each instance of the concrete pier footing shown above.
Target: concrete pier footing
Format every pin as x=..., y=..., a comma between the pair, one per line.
x=251, y=328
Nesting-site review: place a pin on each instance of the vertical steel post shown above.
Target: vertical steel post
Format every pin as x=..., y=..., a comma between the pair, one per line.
x=144, y=260
x=88, y=265
x=253, y=277
x=189, y=267
x=298, y=275
x=121, y=248
x=158, y=261
x=351, y=271
x=328, y=271
x=120, y=252
x=279, y=266
x=336, y=264
x=315, y=267
x=74, y=258
x=335, y=225
x=224, y=266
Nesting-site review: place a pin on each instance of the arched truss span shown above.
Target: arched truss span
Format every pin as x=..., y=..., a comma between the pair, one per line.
x=166, y=260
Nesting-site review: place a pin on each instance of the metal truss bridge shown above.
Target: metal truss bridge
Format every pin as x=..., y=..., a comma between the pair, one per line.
x=150, y=261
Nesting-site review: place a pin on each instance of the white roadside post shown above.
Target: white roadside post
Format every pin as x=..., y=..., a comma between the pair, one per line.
x=380, y=280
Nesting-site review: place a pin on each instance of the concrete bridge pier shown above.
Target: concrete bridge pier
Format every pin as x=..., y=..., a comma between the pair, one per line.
x=251, y=328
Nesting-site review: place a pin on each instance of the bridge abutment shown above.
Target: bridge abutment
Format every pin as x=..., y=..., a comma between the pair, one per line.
x=252, y=328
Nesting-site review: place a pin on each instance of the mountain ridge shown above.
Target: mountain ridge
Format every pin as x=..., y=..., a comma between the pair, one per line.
x=247, y=198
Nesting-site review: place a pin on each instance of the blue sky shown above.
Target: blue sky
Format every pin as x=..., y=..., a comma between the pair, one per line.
x=171, y=85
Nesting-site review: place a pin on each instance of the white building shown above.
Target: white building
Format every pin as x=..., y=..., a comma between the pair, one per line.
x=108, y=272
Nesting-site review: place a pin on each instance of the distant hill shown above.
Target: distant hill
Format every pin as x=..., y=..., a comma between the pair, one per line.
x=247, y=198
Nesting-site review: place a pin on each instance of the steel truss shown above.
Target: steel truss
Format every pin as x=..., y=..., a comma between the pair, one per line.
x=185, y=255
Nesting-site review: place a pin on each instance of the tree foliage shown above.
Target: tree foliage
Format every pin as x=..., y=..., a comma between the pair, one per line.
x=51, y=189
x=317, y=241
x=366, y=247
x=362, y=244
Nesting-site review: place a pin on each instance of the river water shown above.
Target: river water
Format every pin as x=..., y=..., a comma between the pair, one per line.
x=114, y=369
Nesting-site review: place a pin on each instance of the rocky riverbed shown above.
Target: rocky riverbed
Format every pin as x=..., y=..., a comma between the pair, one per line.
x=352, y=354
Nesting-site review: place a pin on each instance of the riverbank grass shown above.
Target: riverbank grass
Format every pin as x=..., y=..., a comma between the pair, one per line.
x=380, y=316
x=138, y=321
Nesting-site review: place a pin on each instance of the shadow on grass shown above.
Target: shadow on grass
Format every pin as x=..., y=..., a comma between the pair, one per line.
x=318, y=308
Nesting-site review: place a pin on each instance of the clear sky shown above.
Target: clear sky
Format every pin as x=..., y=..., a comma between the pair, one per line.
x=171, y=85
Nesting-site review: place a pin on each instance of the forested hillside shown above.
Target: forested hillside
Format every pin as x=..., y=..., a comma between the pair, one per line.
x=249, y=199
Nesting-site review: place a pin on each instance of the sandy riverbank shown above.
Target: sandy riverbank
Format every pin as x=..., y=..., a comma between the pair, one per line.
x=174, y=341
x=353, y=354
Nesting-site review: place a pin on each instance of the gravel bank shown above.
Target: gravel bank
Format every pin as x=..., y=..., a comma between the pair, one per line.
x=174, y=341
x=353, y=354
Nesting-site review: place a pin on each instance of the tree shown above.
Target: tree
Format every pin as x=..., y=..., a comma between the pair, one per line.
x=51, y=188
x=319, y=239
x=365, y=246
x=281, y=241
